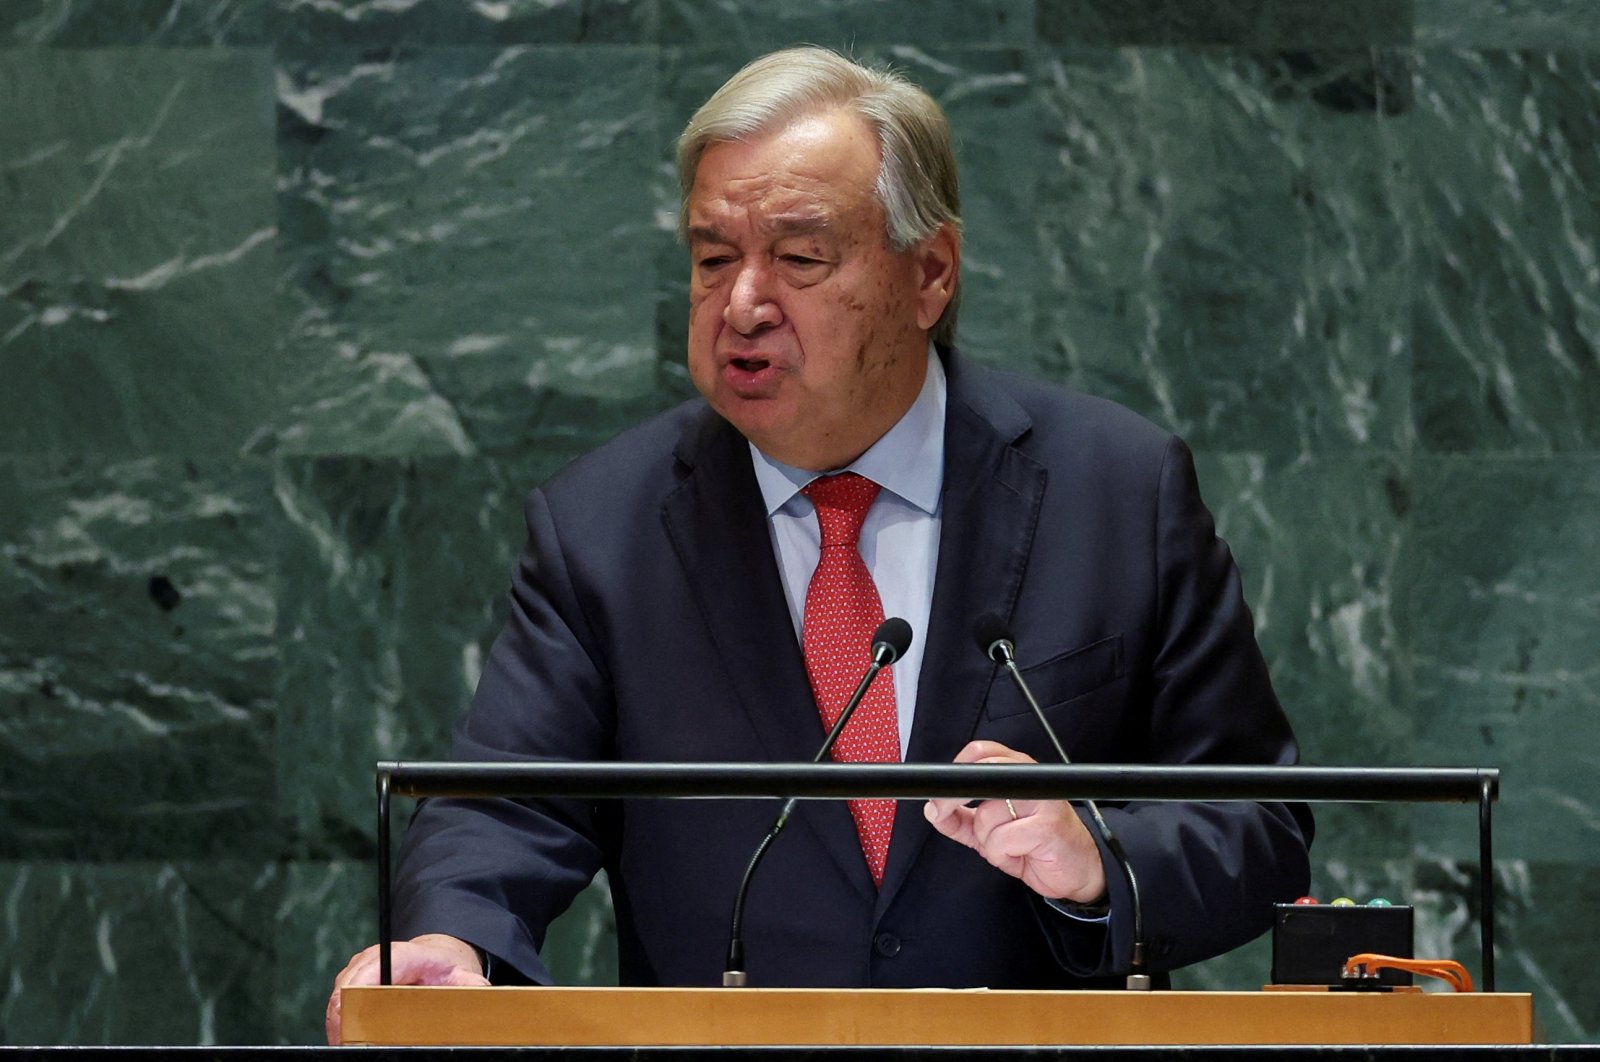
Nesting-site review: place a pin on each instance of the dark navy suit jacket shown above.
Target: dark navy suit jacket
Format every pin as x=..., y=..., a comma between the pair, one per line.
x=648, y=623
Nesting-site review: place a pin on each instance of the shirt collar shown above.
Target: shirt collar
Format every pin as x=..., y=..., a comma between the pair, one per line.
x=907, y=461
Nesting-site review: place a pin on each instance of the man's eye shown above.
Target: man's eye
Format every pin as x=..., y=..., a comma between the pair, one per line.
x=715, y=260
x=801, y=260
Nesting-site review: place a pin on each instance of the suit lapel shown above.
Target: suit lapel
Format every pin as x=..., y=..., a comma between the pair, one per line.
x=718, y=527
x=991, y=500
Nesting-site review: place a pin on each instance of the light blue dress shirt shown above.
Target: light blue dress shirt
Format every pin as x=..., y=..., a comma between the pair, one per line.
x=899, y=539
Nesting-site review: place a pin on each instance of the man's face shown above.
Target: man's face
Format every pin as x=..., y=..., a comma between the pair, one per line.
x=805, y=330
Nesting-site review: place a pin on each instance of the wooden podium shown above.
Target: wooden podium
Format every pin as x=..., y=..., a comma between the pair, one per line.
x=639, y=1017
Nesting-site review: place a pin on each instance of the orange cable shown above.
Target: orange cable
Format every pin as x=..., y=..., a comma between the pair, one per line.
x=1447, y=970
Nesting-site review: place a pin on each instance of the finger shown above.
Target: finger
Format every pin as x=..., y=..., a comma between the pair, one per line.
x=945, y=805
x=1018, y=808
x=330, y=1020
x=980, y=751
x=953, y=819
x=361, y=969
x=996, y=852
x=1054, y=856
x=971, y=825
x=409, y=965
x=432, y=965
x=1017, y=839
x=1050, y=827
x=991, y=816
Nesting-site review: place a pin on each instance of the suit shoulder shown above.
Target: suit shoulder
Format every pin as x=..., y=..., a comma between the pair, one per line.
x=1063, y=416
x=638, y=459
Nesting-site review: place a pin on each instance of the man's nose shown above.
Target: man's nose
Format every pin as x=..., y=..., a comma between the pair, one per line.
x=751, y=307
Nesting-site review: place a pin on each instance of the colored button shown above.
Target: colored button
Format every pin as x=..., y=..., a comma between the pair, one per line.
x=1379, y=901
x=1306, y=900
x=1344, y=901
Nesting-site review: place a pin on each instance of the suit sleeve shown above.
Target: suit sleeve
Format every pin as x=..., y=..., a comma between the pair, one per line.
x=496, y=872
x=1207, y=873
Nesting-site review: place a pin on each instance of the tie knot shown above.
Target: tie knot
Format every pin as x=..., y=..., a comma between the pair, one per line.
x=842, y=502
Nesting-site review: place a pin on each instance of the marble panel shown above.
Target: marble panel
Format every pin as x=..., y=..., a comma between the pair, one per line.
x=1541, y=913
x=137, y=953
x=318, y=23
x=135, y=251
x=1506, y=213
x=1318, y=542
x=136, y=660
x=467, y=235
x=1221, y=247
x=114, y=23
x=755, y=26
x=1545, y=909
x=168, y=23
x=995, y=116
x=580, y=946
x=393, y=585
x=1247, y=23
x=326, y=912
x=1507, y=24
x=1505, y=605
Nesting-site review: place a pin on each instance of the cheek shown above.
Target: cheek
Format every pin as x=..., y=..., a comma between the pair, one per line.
x=868, y=313
x=852, y=304
x=849, y=307
x=704, y=306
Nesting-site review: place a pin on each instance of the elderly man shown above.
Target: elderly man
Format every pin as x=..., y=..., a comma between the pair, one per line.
x=698, y=589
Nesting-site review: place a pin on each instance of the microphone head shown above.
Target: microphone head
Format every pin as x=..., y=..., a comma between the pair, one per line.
x=891, y=640
x=993, y=637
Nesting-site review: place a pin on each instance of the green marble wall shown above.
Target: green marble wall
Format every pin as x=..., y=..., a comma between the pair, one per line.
x=297, y=299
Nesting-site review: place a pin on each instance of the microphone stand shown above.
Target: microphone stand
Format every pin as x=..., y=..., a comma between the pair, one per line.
x=1003, y=652
x=889, y=643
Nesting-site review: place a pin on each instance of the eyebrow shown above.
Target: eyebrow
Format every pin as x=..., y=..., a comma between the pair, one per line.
x=782, y=225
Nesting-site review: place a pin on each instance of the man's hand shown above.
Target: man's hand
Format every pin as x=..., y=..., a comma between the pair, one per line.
x=431, y=959
x=1045, y=844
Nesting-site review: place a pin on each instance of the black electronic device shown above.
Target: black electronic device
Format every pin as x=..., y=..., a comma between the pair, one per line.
x=1311, y=941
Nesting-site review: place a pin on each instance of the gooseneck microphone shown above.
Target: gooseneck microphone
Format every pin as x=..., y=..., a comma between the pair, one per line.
x=995, y=641
x=889, y=643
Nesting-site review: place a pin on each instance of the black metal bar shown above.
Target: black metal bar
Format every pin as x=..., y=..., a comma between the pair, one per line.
x=1038, y=781
x=385, y=918
x=832, y=781
x=1486, y=885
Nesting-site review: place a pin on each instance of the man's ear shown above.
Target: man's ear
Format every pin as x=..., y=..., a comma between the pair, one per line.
x=938, y=259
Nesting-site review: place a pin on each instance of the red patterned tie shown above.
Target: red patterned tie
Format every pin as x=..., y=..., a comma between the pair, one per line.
x=843, y=611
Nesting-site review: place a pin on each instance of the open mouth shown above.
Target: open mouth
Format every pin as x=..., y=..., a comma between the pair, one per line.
x=750, y=365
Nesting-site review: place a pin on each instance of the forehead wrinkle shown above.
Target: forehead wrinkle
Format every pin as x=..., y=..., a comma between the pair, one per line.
x=800, y=192
x=804, y=223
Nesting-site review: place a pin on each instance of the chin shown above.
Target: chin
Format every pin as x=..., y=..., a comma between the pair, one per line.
x=759, y=420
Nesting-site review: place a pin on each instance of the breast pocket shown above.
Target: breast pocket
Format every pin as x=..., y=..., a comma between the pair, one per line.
x=1062, y=678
